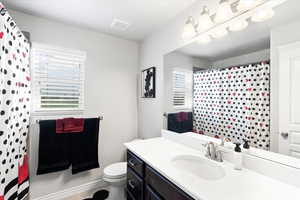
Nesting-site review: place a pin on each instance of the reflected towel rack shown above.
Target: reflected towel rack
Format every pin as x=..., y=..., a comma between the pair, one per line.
x=38, y=121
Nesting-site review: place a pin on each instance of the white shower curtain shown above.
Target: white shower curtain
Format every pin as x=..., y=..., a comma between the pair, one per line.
x=234, y=102
x=14, y=109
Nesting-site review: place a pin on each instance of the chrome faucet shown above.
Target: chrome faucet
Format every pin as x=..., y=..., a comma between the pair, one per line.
x=212, y=152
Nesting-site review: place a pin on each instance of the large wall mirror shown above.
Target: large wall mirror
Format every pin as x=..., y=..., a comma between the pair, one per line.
x=242, y=85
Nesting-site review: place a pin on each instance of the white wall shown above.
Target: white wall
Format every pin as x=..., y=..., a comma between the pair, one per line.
x=253, y=57
x=152, y=53
x=110, y=90
x=282, y=35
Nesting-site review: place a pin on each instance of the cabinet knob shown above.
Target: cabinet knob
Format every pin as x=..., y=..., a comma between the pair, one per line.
x=285, y=135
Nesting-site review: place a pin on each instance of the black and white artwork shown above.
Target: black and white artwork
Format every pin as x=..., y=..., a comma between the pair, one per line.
x=148, y=83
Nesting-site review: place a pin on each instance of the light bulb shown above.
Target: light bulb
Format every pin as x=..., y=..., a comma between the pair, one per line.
x=263, y=15
x=224, y=12
x=204, y=22
x=238, y=25
x=204, y=39
x=189, y=29
x=247, y=4
x=219, y=33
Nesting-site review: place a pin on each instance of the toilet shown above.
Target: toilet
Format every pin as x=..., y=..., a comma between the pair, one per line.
x=115, y=176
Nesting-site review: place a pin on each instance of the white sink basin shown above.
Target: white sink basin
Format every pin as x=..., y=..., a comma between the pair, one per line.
x=199, y=167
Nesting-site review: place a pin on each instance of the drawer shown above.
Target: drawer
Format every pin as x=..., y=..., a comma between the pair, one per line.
x=151, y=195
x=135, y=163
x=129, y=197
x=162, y=186
x=134, y=185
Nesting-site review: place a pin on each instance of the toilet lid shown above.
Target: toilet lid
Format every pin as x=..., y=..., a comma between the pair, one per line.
x=117, y=170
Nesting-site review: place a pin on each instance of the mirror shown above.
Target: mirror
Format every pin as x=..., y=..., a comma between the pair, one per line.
x=242, y=86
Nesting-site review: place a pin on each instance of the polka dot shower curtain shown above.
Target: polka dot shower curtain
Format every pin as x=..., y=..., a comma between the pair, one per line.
x=234, y=102
x=14, y=109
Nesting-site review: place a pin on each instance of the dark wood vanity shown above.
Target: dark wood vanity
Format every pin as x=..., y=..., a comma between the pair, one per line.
x=145, y=183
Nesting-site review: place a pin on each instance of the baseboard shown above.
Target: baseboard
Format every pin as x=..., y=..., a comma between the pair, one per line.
x=98, y=184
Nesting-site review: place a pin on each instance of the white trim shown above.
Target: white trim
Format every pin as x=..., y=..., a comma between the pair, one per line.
x=98, y=184
x=288, y=47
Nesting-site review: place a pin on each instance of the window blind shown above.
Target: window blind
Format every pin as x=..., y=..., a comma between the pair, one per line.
x=178, y=89
x=57, y=78
x=182, y=89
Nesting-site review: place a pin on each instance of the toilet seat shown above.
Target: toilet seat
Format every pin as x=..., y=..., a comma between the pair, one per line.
x=116, y=171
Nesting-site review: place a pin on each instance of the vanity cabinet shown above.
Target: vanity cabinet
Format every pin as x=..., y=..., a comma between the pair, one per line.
x=145, y=183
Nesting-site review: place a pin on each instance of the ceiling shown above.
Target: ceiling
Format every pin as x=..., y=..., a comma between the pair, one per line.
x=255, y=37
x=144, y=16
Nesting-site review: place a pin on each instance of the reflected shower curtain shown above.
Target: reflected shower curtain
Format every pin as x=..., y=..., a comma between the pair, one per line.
x=14, y=109
x=235, y=103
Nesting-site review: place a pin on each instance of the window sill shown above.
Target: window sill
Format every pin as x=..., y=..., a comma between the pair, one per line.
x=56, y=112
x=183, y=108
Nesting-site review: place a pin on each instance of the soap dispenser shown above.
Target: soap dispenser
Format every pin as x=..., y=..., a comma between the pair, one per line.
x=238, y=157
x=246, y=146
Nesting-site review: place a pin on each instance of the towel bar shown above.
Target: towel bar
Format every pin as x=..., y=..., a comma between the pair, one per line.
x=38, y=121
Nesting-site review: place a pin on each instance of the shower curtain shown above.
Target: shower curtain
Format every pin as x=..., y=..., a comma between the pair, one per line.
x=14, y=109
x=234, y=102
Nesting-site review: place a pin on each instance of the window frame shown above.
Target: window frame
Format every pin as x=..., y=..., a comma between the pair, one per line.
x=188, y=97
x=36, y=97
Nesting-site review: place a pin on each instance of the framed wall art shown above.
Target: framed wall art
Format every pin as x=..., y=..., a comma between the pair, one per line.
x=148, y=83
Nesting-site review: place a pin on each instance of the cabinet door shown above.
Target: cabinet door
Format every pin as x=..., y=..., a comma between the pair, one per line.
x=134, y=185
x=129, y=197
x=151, y=195
x=166, y=189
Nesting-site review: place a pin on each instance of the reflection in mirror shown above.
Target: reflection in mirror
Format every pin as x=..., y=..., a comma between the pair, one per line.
x=219, y=100
x=223, y=88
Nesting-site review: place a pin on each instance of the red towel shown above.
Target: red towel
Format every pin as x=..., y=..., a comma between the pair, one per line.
x=59, y=126
x=182, y=116
x=72, y=125
x=69, y=125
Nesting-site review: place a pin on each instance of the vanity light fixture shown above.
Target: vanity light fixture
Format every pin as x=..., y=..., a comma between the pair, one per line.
x=224, y=12
x=231, y=15
x=244, y=5
x=205, y=22
x=219, y=33
x=263, y=15
x=204, y=39
x=238, y=25
x=189, y=30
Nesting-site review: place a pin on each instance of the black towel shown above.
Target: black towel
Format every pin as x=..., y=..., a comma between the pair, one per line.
x=187, y=125
x=180, y=126
x=84, y=150
x=54, y=149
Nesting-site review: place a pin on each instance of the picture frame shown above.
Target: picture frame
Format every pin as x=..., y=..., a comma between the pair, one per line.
x=148, y=87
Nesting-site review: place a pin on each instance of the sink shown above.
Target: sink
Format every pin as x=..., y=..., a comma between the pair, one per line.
x=199, y=167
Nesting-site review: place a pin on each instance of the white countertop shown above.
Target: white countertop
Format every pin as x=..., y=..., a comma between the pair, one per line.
x=236, y=185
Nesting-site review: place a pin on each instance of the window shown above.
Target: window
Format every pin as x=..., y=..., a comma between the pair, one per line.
x=57, y=78
x=182, y=89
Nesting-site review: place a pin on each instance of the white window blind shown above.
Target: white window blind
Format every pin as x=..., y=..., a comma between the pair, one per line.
x=182, y=89
x=57, y=78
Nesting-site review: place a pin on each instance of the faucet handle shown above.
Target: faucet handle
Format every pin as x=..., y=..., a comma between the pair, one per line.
x=219, y=156
x=205, y=145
